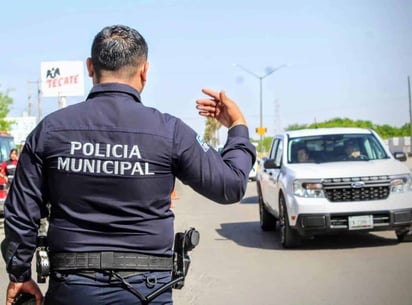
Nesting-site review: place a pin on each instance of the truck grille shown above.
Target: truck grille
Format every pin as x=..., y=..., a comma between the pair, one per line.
x=357, y=188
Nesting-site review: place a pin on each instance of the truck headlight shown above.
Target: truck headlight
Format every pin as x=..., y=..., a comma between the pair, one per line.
x=308, y=189
x=401, y=184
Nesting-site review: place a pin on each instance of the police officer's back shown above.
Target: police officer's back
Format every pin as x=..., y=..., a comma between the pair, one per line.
x=107, y=166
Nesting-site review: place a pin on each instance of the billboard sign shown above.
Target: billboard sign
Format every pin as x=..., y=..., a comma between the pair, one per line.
x=62, y=78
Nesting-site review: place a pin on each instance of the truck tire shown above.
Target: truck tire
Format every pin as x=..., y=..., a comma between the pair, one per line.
x=404, y=235
x=289, y=238
x=267, y=220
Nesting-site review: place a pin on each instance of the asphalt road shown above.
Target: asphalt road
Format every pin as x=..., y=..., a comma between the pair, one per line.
x=237, y=263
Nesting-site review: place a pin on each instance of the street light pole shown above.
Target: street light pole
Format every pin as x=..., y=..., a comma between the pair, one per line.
x=260, y=77
x=30, y=103
x=410, y=114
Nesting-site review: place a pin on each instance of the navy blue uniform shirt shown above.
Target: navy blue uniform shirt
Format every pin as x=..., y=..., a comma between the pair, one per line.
x=107, y=166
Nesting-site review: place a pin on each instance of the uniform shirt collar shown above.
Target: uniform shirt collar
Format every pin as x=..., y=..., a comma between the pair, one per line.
x=114, y=87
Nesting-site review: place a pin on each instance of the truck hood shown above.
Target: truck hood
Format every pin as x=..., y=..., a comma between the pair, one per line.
x=349, y=169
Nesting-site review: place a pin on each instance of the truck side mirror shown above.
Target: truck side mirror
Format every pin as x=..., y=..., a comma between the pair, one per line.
x=399, y=155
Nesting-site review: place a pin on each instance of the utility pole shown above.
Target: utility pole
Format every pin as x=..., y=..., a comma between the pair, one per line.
x=410, y=114
x=260, y=130
x=29, y=102
x=29, y=99
x=277, y=117
x=61, y=102
x=39, y=107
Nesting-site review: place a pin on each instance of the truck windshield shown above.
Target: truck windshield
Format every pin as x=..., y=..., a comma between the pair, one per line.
x=333, y=148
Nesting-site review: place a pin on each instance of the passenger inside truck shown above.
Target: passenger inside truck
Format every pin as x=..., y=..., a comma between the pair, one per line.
x=300, y=154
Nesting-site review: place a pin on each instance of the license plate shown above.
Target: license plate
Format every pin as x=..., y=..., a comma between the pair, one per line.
x=360, y=222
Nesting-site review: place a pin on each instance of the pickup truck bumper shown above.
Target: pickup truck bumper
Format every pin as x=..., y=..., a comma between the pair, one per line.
x=311, y=224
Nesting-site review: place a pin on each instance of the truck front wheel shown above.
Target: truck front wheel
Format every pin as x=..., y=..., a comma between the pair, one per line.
x=267, y=220
x=404, y=234
x=289, y=238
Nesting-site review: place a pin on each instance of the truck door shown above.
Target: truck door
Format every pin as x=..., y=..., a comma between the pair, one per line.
x=267, y=174
x=273, y=185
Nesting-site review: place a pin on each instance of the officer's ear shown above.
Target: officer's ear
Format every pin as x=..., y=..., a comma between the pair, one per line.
x=143, y=71
x=143, y=74
x=90, y=68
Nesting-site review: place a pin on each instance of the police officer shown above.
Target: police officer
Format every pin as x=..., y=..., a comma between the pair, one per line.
x=107, y=167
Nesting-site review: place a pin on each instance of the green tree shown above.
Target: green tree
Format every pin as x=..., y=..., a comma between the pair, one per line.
x=385, y=131
x=405, y=130
x=266, y=142
x=5, y=102
x=342, y=122
x=296, y=126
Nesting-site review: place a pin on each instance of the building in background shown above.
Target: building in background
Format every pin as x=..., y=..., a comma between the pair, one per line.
x=21, y=127
x=399, y=144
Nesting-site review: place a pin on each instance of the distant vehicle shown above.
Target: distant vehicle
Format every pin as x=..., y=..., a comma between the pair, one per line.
x=6, y=144
x=219, y=148
x=348, y=181
x=253, y=172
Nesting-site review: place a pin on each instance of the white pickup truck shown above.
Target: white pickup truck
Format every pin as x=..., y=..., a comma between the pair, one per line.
x=320, y=181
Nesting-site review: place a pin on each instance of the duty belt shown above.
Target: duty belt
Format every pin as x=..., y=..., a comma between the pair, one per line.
x=108, y=261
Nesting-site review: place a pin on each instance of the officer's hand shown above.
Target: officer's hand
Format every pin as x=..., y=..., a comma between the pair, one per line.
x=220, y=107
x=14, y=289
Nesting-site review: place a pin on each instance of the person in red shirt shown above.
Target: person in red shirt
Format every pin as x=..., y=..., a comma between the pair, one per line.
x=8, y=168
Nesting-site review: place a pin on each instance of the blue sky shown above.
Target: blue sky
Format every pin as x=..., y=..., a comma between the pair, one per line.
x=345, y=58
